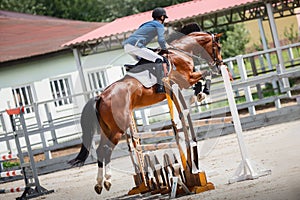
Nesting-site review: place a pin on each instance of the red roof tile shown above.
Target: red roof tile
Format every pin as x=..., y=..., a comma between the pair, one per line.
x=23, y=35
x=175, y=13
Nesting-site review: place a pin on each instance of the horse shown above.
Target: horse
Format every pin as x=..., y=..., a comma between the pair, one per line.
x=110, y=113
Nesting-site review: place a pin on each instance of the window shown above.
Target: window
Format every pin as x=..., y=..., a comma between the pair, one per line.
x=23, y=97
x=61, y=91
x=98, y=81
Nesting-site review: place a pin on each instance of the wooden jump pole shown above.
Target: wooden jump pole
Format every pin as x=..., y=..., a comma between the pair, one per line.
x=170, y=132
x=153, y=147
x=245, y=170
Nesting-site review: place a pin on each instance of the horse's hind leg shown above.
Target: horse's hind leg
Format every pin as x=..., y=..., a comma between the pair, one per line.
x=107, y=176
x=104, y=152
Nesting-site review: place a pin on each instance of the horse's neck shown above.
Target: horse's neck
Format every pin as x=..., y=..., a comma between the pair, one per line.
x=193, y=42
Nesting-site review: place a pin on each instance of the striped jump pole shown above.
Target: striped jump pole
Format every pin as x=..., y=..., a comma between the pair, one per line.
x=11, y=173
x=30, y=175
x=12, y=190
x=4, y=157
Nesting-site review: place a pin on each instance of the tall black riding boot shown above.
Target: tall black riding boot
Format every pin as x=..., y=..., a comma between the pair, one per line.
x=159, y=75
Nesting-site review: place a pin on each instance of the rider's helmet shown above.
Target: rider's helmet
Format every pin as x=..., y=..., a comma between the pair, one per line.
x=158, y=12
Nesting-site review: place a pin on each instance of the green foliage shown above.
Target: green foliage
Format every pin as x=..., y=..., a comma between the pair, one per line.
x=291, y=34
x=10, y=164
x=23, y=6
x=88, y=10
x=236, y=41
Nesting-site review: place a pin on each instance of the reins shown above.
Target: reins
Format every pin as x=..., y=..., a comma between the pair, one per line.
x=185, y=52
x=215, y=62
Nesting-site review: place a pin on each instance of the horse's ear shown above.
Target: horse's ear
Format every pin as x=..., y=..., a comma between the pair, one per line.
x=218, y=35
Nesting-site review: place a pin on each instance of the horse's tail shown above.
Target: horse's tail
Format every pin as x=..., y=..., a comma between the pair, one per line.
x=89, y=124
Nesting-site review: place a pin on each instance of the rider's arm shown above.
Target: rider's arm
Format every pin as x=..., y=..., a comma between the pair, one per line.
x=161, y=37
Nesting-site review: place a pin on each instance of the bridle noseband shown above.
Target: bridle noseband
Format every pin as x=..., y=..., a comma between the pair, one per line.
x=215, y=47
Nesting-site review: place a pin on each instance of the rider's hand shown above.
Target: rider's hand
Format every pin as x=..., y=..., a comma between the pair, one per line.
x=164, y=51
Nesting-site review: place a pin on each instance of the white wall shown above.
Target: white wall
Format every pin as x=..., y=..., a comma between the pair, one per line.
x=110, y=58
x=39, y=73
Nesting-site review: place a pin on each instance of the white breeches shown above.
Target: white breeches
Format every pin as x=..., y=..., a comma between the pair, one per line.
x=142, y=53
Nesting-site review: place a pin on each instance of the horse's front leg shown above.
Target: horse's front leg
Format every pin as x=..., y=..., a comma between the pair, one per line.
x=198, y=75
x=201, y=90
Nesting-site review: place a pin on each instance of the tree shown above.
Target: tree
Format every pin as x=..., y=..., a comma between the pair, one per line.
x=235, y=42
x=234, y=39
x=88, y=10
x=23, y=6
x=291, y=34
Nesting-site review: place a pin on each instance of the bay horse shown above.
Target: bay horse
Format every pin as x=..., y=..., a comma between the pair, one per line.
x=110, y=113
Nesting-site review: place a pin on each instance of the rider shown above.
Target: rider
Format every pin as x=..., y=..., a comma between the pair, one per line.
x=135, y=45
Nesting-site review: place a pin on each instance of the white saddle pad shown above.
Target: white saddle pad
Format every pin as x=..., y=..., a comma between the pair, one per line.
x=145, y=77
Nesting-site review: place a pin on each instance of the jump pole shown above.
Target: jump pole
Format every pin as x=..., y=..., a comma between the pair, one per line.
x=245, y=170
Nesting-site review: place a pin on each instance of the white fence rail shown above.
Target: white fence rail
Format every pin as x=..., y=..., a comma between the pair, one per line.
x=257, y=82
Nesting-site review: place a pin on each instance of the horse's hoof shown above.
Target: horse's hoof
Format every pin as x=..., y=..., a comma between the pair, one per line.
x=200, y=97
x=98, y=189
x=107, y=185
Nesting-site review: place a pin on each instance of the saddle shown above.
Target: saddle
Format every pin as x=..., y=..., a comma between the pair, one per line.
x=142, y=62
x=146, y=72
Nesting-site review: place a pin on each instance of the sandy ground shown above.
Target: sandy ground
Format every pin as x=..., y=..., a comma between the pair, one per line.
x=275, y=147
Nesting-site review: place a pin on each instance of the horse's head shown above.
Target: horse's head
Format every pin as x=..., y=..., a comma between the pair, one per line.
x=209, y=48
x=194, y=45
x=202, y=44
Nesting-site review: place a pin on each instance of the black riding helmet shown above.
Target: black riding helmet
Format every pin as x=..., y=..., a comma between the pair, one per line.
x=158, y=12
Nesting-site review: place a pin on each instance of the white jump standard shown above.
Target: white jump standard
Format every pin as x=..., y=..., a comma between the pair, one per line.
x=245, y=170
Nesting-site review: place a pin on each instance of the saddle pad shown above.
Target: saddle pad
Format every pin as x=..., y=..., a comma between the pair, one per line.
x=146, y=78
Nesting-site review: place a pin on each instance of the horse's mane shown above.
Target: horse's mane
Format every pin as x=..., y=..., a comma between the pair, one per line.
x=185, y=30
x=190, y=28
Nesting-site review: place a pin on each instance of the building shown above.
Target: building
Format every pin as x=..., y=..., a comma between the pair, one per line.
x=37, y=65
x=33, y=65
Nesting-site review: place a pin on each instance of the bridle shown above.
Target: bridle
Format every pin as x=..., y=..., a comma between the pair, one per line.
x=215, y=49
x=215, y=63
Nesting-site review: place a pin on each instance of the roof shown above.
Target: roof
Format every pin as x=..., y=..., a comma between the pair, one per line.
x=24, y=35
x=175, y=13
